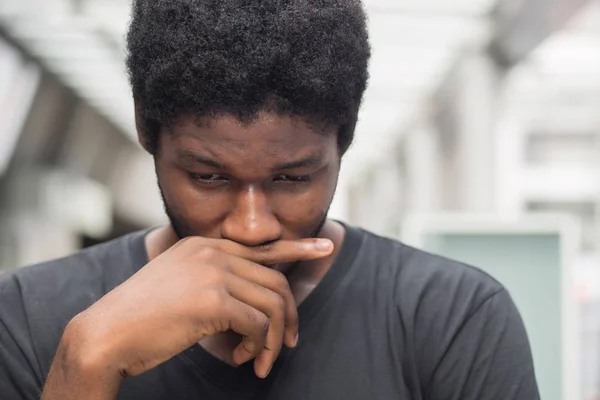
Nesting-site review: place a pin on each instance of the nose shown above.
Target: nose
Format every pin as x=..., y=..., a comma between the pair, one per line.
x=251, y=221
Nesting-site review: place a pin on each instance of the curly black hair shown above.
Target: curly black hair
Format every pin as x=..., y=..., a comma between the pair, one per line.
x=207, y=58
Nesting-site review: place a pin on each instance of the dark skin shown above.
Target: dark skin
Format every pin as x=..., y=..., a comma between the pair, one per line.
x=248, y=241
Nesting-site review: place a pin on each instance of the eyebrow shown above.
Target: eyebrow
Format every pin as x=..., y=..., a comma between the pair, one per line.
x=190, y=156
x=309, y=161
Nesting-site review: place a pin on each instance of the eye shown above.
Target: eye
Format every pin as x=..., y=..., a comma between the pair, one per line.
x=208, y=179
x=293, y=178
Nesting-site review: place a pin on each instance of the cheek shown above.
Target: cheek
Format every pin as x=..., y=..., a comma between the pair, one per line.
x=306, y=209
x=196, y=208
x=174, y=186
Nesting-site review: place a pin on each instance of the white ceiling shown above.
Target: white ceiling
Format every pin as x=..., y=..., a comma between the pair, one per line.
x=414, y=42
x=564, y=71
x=72, y=47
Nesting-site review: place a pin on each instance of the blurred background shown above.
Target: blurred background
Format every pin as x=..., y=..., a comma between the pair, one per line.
x=479, y=139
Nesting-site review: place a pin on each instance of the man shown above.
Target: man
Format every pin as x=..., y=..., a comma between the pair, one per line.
x=251, y=293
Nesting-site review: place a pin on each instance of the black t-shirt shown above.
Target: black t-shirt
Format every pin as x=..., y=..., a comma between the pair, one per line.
x=386, y=322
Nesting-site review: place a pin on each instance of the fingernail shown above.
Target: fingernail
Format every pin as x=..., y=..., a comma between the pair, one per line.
x=296, y=340
x=323, y=245
x=269, y=371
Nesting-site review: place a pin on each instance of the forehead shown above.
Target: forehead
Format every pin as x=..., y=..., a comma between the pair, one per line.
x=268, y=137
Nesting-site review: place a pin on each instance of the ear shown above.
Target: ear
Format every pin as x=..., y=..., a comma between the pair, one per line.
x=142, y=139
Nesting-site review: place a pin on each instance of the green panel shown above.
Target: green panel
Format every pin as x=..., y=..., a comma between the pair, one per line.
x=529, y=266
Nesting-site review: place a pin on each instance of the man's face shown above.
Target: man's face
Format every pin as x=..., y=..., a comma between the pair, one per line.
x=253, y=184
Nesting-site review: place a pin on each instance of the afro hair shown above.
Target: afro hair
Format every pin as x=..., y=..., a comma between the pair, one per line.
x=306, y=58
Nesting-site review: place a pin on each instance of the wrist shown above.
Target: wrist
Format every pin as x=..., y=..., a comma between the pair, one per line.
x=82, y=367
x=90, y=346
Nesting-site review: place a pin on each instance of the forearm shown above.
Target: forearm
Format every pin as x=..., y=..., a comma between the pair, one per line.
x=80, y=373
x=63, y=384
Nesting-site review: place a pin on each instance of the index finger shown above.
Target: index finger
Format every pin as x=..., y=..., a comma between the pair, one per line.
x=279, y=252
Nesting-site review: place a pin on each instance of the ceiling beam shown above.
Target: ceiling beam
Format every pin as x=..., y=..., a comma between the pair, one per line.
x=519, y=27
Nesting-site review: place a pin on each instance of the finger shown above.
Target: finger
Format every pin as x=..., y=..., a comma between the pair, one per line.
x=275, y=282
x=279, y=252
x=269, y=303
x=251, y=324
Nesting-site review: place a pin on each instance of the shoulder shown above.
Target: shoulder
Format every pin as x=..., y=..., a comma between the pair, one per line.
x=41, y=299
x=438, y=300
x=432, y=294
x=101, y=265
x=419, y=276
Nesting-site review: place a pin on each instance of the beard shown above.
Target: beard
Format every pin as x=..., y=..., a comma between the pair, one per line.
x=320, y=226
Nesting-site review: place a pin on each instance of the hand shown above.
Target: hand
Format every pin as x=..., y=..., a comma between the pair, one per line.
x=197, y=288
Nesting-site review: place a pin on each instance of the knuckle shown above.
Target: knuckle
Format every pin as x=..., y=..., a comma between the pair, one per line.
x=206, y=252
x=250, y=347
x=213, y=299
x=265, y=325
x=257, y=319
x=213, y=276
x=279, y=304
x=281, y=282
x=261, y=323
